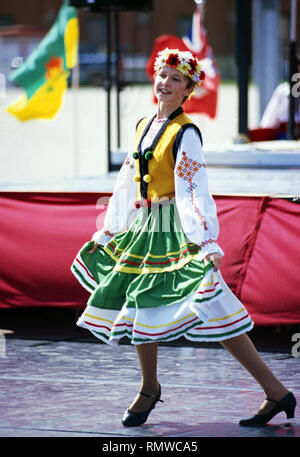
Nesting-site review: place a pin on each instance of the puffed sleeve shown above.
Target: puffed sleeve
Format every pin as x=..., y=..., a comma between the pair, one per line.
x=195, y=205
x=121, y=207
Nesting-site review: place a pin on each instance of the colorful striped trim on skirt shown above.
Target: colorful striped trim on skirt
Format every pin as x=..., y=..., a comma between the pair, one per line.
x=83, y=274
x=218, y=318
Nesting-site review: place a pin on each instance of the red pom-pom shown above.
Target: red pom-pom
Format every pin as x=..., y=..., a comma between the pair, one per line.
x=202, y=75
x=146, y=203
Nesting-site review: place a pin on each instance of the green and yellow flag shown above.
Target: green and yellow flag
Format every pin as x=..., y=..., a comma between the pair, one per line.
x=45, y=72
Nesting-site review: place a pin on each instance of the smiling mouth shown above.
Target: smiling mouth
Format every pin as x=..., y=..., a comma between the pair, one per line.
x=164, y=91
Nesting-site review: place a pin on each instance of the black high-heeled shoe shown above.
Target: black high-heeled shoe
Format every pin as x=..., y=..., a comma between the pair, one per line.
x=286, y=404
x=132, y=419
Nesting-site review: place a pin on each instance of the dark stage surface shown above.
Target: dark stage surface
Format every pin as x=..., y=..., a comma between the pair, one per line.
x=58, y=381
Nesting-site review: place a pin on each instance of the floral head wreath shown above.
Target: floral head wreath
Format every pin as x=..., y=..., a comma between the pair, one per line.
x=183, y=61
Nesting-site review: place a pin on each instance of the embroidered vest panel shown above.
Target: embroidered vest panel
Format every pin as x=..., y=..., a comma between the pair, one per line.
x=155, y=165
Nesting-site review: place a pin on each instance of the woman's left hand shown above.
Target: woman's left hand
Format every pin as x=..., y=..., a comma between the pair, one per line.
x=94, y=248
x=215, y=259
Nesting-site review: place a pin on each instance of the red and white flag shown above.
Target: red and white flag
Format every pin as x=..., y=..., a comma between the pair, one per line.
x=205, y=97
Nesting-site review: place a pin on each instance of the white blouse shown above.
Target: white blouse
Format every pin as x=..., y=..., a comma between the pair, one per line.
x=195, y=205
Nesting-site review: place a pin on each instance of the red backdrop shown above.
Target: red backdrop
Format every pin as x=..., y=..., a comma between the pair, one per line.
x=41, y=232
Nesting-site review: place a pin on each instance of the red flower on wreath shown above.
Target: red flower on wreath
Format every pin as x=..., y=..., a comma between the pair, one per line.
x=193, y=65
x=173, y=60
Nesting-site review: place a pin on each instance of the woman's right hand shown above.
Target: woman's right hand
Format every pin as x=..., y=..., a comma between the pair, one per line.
x=91, y=251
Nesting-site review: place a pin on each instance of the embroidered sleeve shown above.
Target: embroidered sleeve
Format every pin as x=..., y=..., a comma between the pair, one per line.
x=120, y=209
x=196, y=207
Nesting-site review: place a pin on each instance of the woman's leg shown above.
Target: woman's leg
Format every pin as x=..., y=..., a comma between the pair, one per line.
x=147, y=355
x=242, y=348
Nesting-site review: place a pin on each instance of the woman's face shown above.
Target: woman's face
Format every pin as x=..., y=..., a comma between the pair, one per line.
x=170, y=86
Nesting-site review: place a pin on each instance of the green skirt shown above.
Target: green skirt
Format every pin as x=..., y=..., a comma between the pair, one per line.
x=150, y=283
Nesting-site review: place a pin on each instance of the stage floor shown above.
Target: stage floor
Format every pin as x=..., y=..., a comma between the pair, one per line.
x=74, y=386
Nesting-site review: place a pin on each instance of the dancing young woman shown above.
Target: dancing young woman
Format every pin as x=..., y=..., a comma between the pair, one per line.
x=153, y=269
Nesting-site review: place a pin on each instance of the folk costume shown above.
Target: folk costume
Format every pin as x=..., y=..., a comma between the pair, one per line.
x=149, y=279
